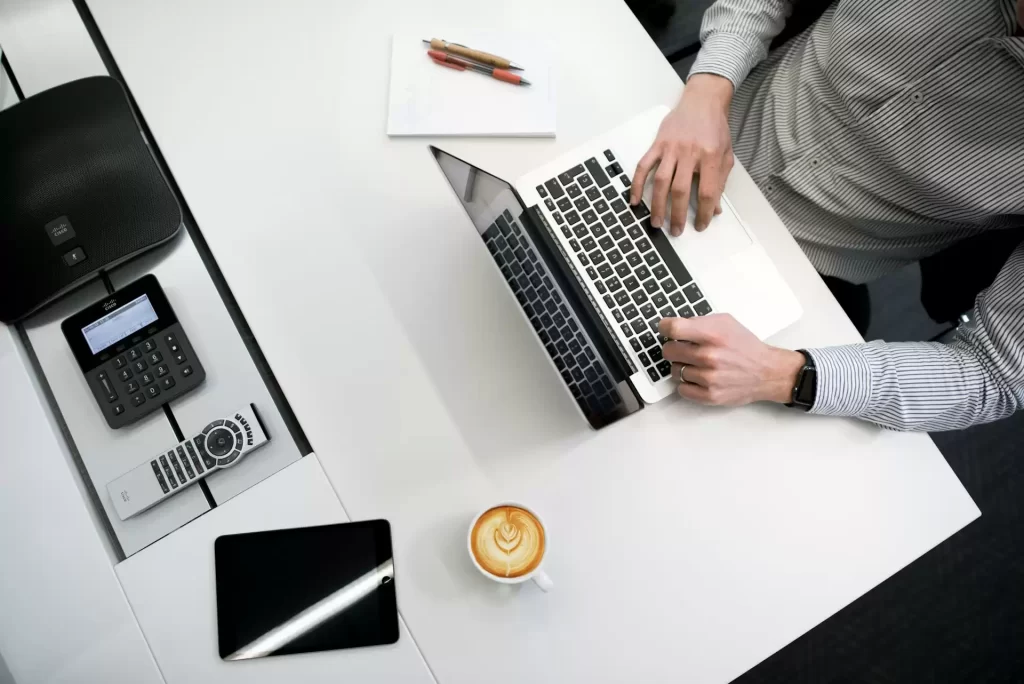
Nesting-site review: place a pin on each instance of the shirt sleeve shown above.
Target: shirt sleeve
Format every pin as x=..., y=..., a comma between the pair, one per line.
x=932, y=386
x=735, y=36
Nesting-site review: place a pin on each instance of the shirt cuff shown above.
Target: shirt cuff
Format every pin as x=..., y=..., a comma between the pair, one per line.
x=729, y=56
x=844, y=380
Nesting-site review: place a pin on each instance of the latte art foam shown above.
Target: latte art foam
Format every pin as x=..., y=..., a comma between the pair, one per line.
x=508, y=541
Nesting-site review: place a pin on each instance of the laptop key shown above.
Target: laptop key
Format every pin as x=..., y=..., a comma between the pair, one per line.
x=589, y=216
x=614, y=256
x=597, y=172
x=635, y=344
x=643, y=245
x=581, y=203
x=653, y=374
x=597, y=230
x=588, y=244
x=583, y=259
x=573, y=191
x=585, y=181
x=592, y=193
x=664, y=368
x=617, y=315
x=647, y=340
x=613, y=284
x=609, y=301
x=626, y=245
x=667, y=312
x=610, y=193
x=618, y=206
x=580, y=231
x=542, y=191
x=622, y=298
x=613, y=169
x=655, y=353
x=702, y=308
x=554, y=188
x=564, y=204
x=626, y=330
x=567, y=177
x=622, y=270
x=626, y=218
x=660, y=272
x=549, y=204
x=631, y=283
x=592, y=273
x=575, y=245
x=651, y=259
x=572, y=217
x=606, y=243
x=558, y=218
x=659, y=300
x=654, y=325
x=608, y=219
x=642, y=273
x=634, y=259
x=693, y=293
x=635, y=232
x=651, y=286
x=608, y=155
x=640, y=210
x=600, y=287
x=638, y=326
x=685, y=312
x=648, y=311
x=596, y=257
x=600, y=206
x=625, y=180
x=630, y=312
x=618, y=232
x=605, y=271
x=644, y=359
x=677, y=299
x=639, y=297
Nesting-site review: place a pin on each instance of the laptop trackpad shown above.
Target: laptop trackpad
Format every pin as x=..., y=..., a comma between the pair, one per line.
x=724, y=238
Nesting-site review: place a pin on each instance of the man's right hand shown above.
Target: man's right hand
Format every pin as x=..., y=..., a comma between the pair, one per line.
x=693, y=139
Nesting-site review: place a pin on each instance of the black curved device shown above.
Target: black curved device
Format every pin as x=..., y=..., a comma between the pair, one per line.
x=81, y=193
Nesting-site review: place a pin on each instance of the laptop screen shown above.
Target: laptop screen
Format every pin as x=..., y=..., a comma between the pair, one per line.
x=567, y=326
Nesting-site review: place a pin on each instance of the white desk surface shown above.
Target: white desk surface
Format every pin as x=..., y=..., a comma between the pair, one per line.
x=687, y=544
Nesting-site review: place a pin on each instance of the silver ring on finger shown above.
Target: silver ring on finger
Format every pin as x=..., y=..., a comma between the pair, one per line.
x=682, y=369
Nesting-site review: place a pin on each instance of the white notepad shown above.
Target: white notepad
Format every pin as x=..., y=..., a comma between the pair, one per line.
x=428, y=99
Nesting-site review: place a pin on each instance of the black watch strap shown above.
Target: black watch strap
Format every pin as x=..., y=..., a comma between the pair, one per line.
x=805, y=390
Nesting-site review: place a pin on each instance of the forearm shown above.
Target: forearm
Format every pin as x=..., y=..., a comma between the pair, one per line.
x=931, y=386
x=735, y=35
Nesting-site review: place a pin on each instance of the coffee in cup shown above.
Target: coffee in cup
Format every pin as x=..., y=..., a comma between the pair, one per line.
x=507, y=543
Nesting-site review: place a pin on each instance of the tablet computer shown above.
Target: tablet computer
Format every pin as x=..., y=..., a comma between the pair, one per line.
x=305, y=589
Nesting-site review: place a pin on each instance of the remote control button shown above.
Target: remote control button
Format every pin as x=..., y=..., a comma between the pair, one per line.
x=155, y=358
x=233, y=427
x=186, y=371
x=170, y=338
x=119, y=362
x=153, y=391
x=167, y=472
x=133, y=355
x=200, y=442
x=147, y=378
x=177, y=468
x=195, y=459
x=216, y=423
x=159, y=477
x=179, y=358
x=133, y=387
x=118, y=410
x=125, y=374
x=108, y=388
x=220, y=441
x=149, y=346
x=167, y=383
x=138, y=400
x=184, y=462
x=161, y=371
x=140, y=366
x=228, y=460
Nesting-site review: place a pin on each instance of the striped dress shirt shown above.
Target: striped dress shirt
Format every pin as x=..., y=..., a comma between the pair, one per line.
x=886, y=131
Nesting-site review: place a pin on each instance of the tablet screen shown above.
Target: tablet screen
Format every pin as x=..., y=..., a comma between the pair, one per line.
x=305, y=589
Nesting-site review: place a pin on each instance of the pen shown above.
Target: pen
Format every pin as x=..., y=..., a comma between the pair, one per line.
x=480, y=56
x=447, y=60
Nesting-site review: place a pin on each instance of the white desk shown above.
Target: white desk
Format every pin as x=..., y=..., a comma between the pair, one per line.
x=687, y=544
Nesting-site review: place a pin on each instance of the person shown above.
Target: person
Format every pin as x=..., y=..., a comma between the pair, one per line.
x=881, y=134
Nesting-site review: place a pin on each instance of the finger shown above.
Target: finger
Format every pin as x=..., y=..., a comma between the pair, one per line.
x=687, y=329
x=718, y=208
x=642, y=169
x=697, y=393
x=682, y=352
x=691, y=375
x=681, y=196
x=662, y=185
x=709, y=193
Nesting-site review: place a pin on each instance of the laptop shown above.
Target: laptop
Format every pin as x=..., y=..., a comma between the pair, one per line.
x=593, y=278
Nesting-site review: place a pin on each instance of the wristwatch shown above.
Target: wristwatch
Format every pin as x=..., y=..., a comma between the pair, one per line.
x=806, y=389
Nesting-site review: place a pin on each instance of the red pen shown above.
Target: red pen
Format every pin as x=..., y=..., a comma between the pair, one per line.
x=444, y=59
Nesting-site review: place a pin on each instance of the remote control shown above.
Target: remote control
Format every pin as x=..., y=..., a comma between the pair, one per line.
x=221, y=444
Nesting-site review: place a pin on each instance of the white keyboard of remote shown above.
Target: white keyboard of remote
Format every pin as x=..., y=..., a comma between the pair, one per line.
x=221, y=444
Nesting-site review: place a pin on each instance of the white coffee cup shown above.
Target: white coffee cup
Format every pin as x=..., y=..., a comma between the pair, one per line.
x=537, y=574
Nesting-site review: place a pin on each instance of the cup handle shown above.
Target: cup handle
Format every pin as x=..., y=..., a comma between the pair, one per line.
x=542, y=580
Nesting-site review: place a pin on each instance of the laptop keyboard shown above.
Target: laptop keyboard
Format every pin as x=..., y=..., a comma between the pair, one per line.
x=556, y=324
x=615, y=244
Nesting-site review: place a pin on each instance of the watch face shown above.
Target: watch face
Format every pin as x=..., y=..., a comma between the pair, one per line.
x=807, y=390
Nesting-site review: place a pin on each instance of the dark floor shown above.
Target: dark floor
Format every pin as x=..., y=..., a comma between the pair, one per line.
x=957, y=614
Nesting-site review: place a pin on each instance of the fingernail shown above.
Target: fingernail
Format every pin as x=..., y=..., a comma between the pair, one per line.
x=677, y=231
x=700, y=227
x=656, y=221
x=633, y=200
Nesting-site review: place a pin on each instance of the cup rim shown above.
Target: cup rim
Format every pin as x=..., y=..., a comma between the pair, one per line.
x=507, y=580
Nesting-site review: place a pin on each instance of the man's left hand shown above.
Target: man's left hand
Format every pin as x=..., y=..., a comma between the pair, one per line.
x=722, y=363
